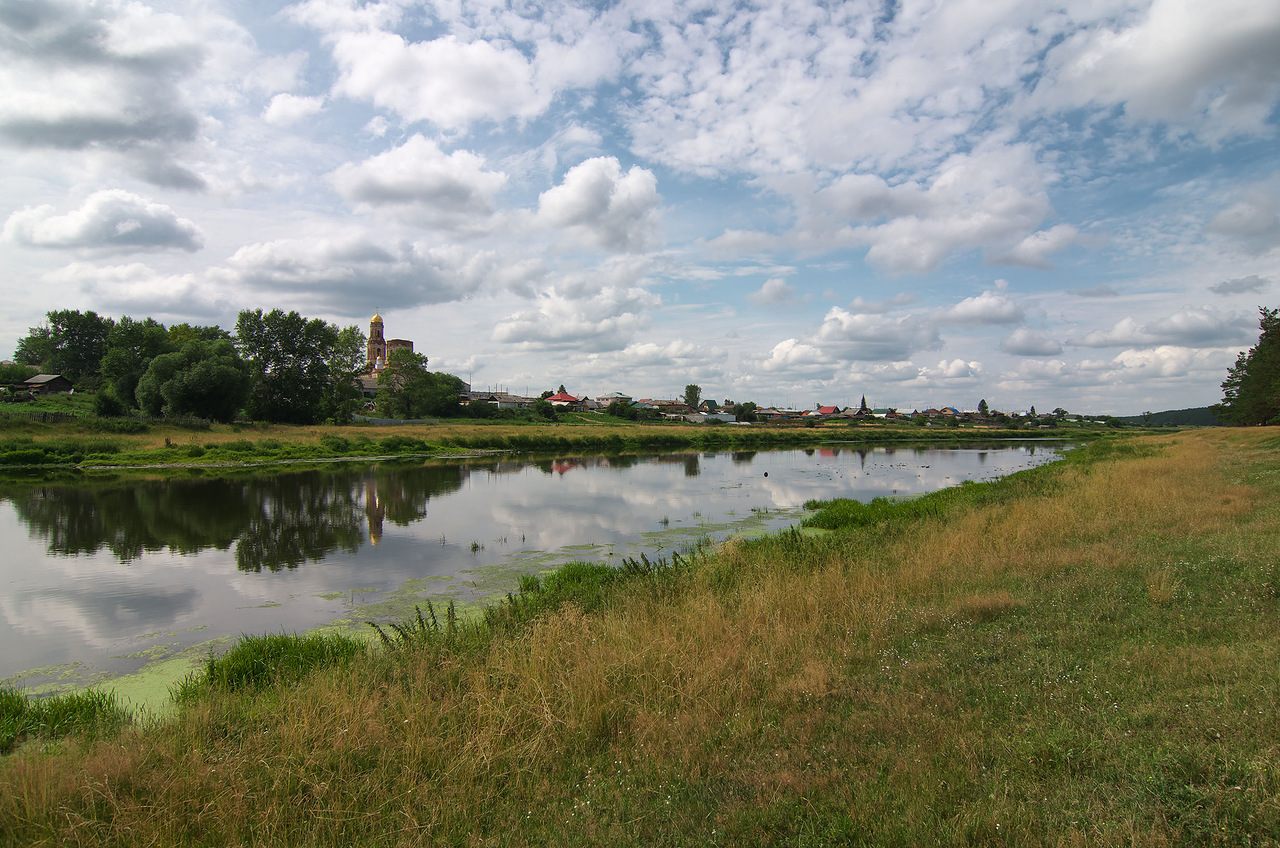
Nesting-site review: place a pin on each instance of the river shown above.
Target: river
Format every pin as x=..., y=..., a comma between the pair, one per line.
x=104, y=575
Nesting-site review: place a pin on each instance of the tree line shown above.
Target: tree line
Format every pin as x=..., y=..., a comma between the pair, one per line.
x=277, y=366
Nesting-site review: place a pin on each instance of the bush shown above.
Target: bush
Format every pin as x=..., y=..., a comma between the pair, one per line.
x=107, y=405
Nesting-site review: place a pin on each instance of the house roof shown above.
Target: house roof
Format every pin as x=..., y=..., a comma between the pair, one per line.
x=41, y=379
x=562, y=397
x=828, y=410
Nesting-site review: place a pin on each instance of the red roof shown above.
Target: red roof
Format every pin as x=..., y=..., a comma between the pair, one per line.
x=828, y=410
x=563, y=397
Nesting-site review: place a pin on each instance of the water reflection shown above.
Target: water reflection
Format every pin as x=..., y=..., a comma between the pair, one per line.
x=272, y=522
x=98, y=569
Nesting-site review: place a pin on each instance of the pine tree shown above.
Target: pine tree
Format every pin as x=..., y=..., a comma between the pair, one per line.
x=1251, y=392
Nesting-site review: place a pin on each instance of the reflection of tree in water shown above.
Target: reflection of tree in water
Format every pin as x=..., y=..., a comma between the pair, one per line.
x=128, y=517
x=299, y=521
x=275, y=522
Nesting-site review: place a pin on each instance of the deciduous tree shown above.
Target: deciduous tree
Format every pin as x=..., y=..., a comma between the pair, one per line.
x=692, y=395
x=204, y=379
x=289, y=357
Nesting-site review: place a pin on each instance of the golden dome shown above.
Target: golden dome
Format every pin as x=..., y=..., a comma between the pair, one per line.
x=377, y=319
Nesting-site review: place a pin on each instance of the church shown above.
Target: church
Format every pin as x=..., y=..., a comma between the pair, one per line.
x=380, y=347
x=377, y=352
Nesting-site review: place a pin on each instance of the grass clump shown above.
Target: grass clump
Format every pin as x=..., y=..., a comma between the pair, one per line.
x=256, y=662
x=86, y=714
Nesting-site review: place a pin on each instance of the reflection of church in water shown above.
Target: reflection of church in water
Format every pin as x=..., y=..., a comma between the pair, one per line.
x=374, y=509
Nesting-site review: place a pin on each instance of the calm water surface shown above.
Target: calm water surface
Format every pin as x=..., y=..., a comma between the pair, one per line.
x=101, y=575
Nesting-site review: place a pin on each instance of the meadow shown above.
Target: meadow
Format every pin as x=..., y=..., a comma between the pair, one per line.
x=1085, y=653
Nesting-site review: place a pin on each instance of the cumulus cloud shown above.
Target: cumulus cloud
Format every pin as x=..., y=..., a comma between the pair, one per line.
x=1027, y=342
x=956, y=369
x=347, y=273
x=421, y=183
x=848, y=335
x=605, y=320
x=1212, y=67
x=604, y=207
x=110, y=221
x=773, y=291
x=114, y=77
x=1192, y=328
x=990, y=307
x=1034, y=250
x=285, y=109
x=1240, y=285
x=447, y=82
x=972, y=200
x=794, y=357
x=139, y=289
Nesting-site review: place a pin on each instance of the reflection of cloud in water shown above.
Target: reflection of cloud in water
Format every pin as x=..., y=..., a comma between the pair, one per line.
x=93, y=567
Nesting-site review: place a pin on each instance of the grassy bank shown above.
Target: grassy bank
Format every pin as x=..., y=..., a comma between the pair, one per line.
x=96, y=443
x=1085, y=653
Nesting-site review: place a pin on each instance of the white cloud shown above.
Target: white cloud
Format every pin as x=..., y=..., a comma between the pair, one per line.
x=139, y=289
x=348, y=272
x=1026, y=342
x=446, y=82
x=603, y=207
x=847, y=335
x=973, y=200
x=285, y=109
x=111, y=220
x=1209, y=66
x=1204, y=327
x=1034, y=250
x=990, y=307
x=956, y=369
x=1254, y=221
x=772, y=292
x=606, y=320
x=120, y=78
x=793, y=357
x=421, y=183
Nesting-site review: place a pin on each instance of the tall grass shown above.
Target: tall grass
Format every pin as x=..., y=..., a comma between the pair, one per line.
x=995, y=671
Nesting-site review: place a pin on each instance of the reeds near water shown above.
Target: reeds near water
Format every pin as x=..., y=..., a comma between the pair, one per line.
x=1086, y=653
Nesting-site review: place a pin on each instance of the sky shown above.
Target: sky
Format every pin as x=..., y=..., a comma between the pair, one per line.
x=928, y=204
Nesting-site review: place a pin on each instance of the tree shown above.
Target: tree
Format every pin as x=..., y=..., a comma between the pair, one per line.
x=289, y=357
x=744, y=411
x=131, y=346
x=345, y=365
x=72, y=344
x=692, y=395
x=1031, y=413
x=409, y=390
x=204, y=379
x=1251, y=392
x=983, y=409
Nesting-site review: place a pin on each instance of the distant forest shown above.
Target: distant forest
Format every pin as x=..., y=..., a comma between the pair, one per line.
x=1199, y=416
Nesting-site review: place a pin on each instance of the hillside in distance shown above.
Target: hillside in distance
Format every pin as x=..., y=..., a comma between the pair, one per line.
x=1199, y=416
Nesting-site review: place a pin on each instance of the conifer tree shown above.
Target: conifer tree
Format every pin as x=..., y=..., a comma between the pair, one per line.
x=1251, y=392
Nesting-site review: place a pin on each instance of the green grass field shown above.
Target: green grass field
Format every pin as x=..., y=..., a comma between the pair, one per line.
x=1086, y=653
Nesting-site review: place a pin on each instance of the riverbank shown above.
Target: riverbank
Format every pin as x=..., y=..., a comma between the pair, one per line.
x=91, y=443
x=1082, y=653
